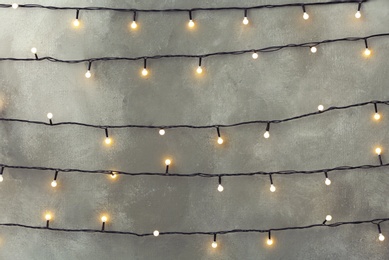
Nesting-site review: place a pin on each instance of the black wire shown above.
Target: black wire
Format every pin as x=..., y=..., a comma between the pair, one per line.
x=222, y=232
x=266, y=49
x=36, y=6
x=273, y=121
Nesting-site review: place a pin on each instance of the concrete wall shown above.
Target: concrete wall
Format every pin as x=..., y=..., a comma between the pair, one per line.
x=231, y=89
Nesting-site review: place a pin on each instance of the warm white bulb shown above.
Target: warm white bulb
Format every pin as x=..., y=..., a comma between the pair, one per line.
x=1, y=178
x=220, y=140
x=49, y=115
x=367, y=52
x=378, y=150
x=269, y=242
x=34, y=50
x=107, y=140
x=156, y=233
x=76, y=22
x=15, y=6
x=377, y=116
x=191, y=23
x=328, y=181
x=48, y=216
x=272, y=188
x=255, y=55
x=266, y=134
x=161, y=132
x=104, y=219
x=381, y=237
x=54, y=184
x=245, y=21
x=358, y=14
x=168, y=161
x=134, y=25
x=214, y=244
x=313, y=49
x=144, y=72
x=305, y=16
x=328, y=217
x=220, y=188
x=320, y=107
x=88, y=74
x=199, y=70
x=113, y=175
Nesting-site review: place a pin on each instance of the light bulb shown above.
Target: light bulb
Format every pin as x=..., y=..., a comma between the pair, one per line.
x=378, y=150
x=88, y=74
x=220, y=140
x=168, y=161
x=48, y=216
x=266, y=134
x=214, y=244
x=245, y=21
x=54, y=184
x=49, y=115
x=104, y=219
x=1, y=178
x=161, y=132
x=134, y=25
x=15, y=6
x=34, y=50
x=377, y=116
x=220, y=188
x=107, y=140
x=156, y=233
x=328, y=182
x=255, y=55
x=199, y=70
x=305, y=16
x=381, y=237
x=328, y=217
x=367, y=52
x=272, y=188
x=113, y=175
x=269, y=242
x=76, y=22
x=191, y=23
x=313, y=49
x=358, y=14
x=320, y=107
x=144, y=72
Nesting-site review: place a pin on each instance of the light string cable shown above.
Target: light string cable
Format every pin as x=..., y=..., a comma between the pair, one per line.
x=212, y=234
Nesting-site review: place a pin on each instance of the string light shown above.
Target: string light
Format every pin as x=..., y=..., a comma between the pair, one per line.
x=144, y=71
x=34, y=51
x=377, y=116
x=50, y=116
x=272, y=187
x=103, y=220
x=15, y=5
x=269, y=240
x=214, y=243
x=255, y=55
x=156, y=233
x=327, y=181
x=191, y=24
x=161, y=132
x=367, y=51
x=88, y=74
x=113, y=175
x=133, y=24
x=378, y=152
x=48, y=218
x=219, y=139
x=199, y=68
x=305, y=15
x=167, y=163
x=358, y=13
x=328, y=218
x=54, y=182
x=1, y=174
x=313, y=49
x=267, y=132
x=245, y=20
x=381, y=237
x=76, y=22
x=107, y=139
x=220, y=188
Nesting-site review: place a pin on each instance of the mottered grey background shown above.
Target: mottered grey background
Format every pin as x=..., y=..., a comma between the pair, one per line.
x=231, y=89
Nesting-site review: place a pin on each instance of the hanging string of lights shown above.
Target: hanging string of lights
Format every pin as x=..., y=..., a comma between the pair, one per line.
x=213, y=234
x=313, y=46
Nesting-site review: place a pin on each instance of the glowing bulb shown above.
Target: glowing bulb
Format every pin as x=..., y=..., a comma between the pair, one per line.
x=266, y=134
x=76, y=22
x=313, y=49
x=378, y=150
x=358, y=14
x=377, y=116
x=199, y=70
x=245, y=21
x=48, y=216
x=88, y=74
x=156, y=233
x=381, y=237
x=270, y=242
x=161, y=132
x=168, y=161
x=113, y=175
x=134, y=25
x=1, y=178
x=220, y=188
x=220, y=140
x=367, y=52
x=255, y=55
x=34, y=50
x=49, y=115
x=272, y=188
x=320, y=107
x=328, y=217
x=191, y=23
x=104, y=219
x=107, y=140
x=214, y=244
x=305, y=16
x=54, y=184
x=145, y=72
x=15, y=6
x=328, y=182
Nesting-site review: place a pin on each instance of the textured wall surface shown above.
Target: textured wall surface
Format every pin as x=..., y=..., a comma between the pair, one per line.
x=231, y=89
